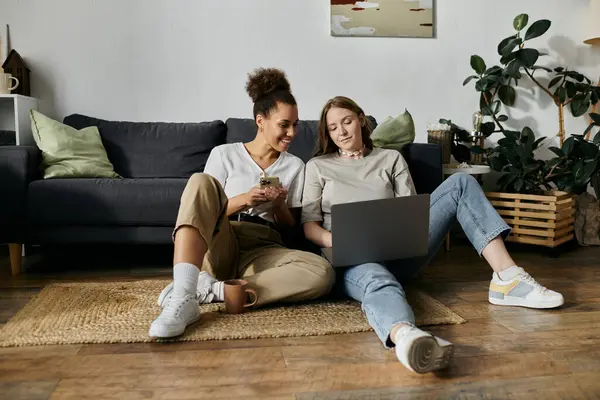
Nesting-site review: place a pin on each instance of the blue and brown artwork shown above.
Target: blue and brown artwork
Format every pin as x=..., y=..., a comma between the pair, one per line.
x=384, y=18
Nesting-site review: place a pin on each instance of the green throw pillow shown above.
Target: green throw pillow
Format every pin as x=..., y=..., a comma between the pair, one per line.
x=394, y=133
x=68, y=152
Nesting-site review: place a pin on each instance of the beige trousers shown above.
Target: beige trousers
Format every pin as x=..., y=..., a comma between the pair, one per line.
x=250, y=251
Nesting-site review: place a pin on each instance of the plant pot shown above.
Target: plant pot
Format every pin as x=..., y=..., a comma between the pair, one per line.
x=546, y=220
x=444, y=139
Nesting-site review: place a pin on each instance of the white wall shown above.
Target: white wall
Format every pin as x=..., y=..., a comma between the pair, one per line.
x=187, y=60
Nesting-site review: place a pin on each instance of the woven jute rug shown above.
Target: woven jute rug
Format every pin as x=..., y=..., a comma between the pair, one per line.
x=121, y=312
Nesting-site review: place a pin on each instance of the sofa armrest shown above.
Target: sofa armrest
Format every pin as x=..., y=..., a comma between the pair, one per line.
x=425, y=165
x=19, y=165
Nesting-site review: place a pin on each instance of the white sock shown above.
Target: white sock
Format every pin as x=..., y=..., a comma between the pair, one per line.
x=218, y=289
x=185, y=277
x=509, y=273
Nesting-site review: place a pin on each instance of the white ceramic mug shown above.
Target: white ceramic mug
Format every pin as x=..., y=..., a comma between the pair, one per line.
x=5, y=87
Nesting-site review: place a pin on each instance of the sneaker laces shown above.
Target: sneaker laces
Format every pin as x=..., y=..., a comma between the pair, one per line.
x=174, y=305
x=205, y=295
x=525, y=277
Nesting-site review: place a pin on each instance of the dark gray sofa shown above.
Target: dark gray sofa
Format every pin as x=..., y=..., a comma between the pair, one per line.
x=155, y=159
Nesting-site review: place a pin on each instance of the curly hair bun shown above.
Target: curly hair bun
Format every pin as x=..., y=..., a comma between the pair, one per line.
x=263, y=81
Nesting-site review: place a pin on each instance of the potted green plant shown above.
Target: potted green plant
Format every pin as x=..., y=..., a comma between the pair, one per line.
x=577, y=162
x=536, y=196
x=496, y=84
x=461, y=141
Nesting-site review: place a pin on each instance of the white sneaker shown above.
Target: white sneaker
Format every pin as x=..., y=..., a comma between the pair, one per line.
x=180, y=311
x=204, y=292
x=522, y=291
x=421, y=351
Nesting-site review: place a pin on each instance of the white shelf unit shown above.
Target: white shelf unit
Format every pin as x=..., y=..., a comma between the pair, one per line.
x=14, y=116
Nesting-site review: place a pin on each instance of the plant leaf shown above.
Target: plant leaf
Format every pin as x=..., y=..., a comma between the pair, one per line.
x=512, y=69
x=518, y=184
x=482, y=85
x=461, y=153
x=496, y=163
x=528, y=134
x=507, y=95
x=568, y=146
x=488, y=128
x=537, y=29
x=478, y=64
x=589, y=128
x=510, y=46
x=508, y=58
x=590, y=150
x=502, y=118
x=523, y=155
x=528, y=57
x=520, y=21
x=531, y=168
x=496, y=107
x=536, y=67
x=477, y=150
x=590, y=168
x=554, y=81
x=557, y=151
x=579, y=106
x=553, y=162
x=512, y=135
x=506, y=142
x=597, y=138
x=578, y=169
x=469, y=79
x=506, y=179
x=571, y=89
x=537, y=142
x=504, y=42
x=493, y=109
x=495, y=70
x=596, y=118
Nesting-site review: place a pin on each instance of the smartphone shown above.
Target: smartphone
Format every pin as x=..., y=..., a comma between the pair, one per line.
x=269, y=181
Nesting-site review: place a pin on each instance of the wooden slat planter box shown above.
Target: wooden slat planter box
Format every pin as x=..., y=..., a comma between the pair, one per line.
x=539, y=220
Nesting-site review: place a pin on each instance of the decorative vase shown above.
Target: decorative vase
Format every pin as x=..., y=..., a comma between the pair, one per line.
x=444, y=139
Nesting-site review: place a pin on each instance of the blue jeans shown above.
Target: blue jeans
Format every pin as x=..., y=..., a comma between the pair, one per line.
x=377, y=285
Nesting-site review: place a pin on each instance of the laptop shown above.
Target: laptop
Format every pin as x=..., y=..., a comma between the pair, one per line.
x=379, y=230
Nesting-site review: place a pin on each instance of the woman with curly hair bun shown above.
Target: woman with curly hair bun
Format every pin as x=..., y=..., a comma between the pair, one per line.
x=229, y=217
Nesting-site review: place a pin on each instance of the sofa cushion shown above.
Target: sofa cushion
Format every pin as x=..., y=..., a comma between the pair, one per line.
x=303, y=146
x=155, y=149
x=395, y=132
x=68, y=152
x=112, y=202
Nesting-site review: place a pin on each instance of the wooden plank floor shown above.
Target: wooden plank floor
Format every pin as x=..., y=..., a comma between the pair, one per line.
x=501, y=352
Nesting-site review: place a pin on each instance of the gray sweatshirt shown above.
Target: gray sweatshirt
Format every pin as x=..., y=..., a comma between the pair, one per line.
x=330, y=179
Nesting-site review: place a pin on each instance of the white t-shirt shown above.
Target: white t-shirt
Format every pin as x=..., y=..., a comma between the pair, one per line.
x=234, y=168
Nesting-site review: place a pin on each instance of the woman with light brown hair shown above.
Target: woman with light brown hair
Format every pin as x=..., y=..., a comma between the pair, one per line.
x=349, y=169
